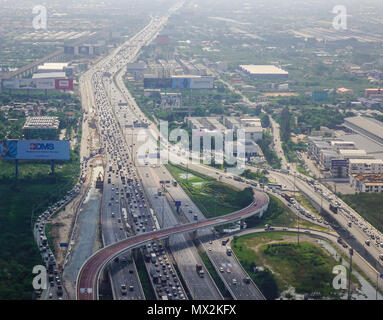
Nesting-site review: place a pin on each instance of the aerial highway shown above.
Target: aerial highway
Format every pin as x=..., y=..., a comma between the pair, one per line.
x=344, y=216
x=122, y=145
x=87, y=280
x=106, y=101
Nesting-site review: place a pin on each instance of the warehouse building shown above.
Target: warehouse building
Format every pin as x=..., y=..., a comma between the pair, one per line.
x=53, y=67
x=367, y=126
x=263, y=72
x=49, y=75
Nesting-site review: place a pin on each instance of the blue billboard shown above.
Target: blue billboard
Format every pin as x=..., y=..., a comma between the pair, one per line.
x=339, y=163
x=34, y=150
x=180, y=83
x=157, y=83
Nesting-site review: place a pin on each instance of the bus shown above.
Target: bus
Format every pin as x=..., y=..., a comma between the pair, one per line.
x=275, y=186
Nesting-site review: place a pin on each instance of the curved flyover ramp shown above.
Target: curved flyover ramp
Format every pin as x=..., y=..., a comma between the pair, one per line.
x=87, y=279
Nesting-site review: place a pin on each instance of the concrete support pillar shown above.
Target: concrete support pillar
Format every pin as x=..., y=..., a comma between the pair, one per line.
x=133, y=253
x=194, y=235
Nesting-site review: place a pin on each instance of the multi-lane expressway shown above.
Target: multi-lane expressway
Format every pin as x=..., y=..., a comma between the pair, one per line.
x=87, y=280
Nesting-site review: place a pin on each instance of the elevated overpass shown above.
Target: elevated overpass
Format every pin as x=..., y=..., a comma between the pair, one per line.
x=87, y=279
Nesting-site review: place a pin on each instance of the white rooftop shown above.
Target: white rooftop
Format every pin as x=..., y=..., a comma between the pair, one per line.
x=262, y=69
x=366, y=161
x=53, y=66
x=353, y=152
x=49, y=75
x=371, y=125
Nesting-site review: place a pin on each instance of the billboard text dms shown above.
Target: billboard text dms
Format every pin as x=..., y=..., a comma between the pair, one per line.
x=34, y=150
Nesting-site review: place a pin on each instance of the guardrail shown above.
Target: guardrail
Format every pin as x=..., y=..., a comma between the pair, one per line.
x=130, y=243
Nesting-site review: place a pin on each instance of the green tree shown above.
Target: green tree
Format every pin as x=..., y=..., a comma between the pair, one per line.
x=285, y=124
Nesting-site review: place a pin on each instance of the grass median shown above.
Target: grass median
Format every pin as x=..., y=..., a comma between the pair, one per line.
x=214, y=198
x=277, y=263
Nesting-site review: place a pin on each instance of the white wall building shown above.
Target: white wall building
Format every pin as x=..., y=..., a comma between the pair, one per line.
x=365, y=166
x=343, y=145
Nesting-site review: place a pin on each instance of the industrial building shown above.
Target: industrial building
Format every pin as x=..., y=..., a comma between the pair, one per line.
x=49, y=75
x=263, y=71
x=41, y=127
x=52, y=67
x=366, y=126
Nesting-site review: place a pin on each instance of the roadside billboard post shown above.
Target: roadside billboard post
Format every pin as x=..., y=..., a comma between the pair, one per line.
x=37, y=84
x=16, y=168
x=34, y=150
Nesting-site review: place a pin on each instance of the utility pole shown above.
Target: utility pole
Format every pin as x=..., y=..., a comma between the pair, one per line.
x=162, y=212
x=379, y=275
x=298, y=211
x=351, y=251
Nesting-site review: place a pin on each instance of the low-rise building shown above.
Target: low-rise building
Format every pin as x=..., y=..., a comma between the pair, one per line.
x=315, y=145
x=345, y=91
x=370, y=183
x=231, y=123
x=354, y=154
x=263, y=71
x=373, y=93
x=343, y=145
x=326, y=156
x=253, y=133
x=365, y=166
x=41, y=127
x=340, y=166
